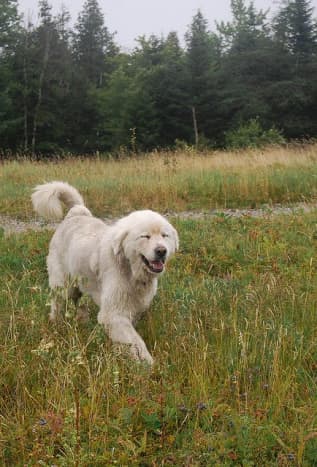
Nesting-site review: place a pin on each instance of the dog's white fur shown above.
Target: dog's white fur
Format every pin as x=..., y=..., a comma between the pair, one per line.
x=117, y=265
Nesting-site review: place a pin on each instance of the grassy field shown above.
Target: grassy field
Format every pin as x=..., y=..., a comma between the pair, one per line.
x=170, y=181
x=233, y=331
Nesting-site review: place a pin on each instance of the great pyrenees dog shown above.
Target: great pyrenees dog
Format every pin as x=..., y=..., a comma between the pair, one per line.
x=118, y=265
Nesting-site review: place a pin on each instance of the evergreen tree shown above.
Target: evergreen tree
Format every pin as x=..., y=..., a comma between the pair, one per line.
x=293, y=100
x=168, y=86
x=247, y=27
x=9, y=36
x=48, y=80
x=9, y=25
x=144, y=106
x=44, y=35
x=295, y=30
x=142, y=120
x=93, y=45
x=113, y=107
x=202, y=57
x=162, y=89
x=94, y=54
x=55, y=106
x=42, y=72
x=248, y=65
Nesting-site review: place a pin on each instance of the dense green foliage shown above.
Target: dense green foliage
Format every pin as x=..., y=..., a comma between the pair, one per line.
x=252, y=135
x=66, y=89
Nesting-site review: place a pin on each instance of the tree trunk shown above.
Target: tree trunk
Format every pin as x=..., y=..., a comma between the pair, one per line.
x=25, y=93
x=195, y=127
x=40, y=91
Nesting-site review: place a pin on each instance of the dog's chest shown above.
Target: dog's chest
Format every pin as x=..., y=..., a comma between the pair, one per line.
x=141, y=298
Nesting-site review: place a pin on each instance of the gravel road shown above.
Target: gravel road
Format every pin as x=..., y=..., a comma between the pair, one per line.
x=12, y=226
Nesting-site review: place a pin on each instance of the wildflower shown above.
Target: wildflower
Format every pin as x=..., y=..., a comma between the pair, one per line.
x=43, y=348
x=201, y=406
x=234, y=379
x=183, y=408
x=35, y=289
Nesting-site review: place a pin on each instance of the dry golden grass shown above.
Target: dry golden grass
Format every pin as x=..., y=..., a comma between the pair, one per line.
x=170, y=181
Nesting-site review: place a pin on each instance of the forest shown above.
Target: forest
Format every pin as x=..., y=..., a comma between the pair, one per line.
x=69, y=88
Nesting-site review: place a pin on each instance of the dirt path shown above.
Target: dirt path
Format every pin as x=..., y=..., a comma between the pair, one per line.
x=10, y=225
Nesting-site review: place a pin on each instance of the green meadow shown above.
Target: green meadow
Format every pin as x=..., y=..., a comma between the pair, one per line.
x=233, y=328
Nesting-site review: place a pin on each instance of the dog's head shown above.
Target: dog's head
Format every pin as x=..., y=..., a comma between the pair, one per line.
x=146, y=240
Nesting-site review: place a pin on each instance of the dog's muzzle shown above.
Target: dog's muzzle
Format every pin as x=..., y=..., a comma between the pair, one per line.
x=157, y=265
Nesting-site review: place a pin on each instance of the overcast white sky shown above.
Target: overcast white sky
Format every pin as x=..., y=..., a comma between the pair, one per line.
x=133, y=18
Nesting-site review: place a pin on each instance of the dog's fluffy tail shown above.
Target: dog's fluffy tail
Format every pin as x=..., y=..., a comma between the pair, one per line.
x=48, y=199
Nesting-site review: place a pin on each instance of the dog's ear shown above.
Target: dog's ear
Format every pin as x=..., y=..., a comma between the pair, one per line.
x=117, y=241
x=175, y=239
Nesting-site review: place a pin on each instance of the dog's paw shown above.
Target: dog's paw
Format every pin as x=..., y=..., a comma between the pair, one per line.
x=82, y=314
x=141, y=353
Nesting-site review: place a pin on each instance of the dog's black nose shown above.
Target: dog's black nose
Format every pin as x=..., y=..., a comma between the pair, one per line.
x=160, y=252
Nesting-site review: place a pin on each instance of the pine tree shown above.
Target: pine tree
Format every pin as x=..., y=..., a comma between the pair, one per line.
x=94, y=56
x=170, y=94
x=93, y=44
x=145, y=106
x=160, y=80
x=295, y=30
x=247, y=27
x=202, y=56
x=141, y=106
x=293, y=99
x=10, y=31
x=248, y=65
x=9, y=25
x=55, y=107
x=42, y=70
x=45, y=33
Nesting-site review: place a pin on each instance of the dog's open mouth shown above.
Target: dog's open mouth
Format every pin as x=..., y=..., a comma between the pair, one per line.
x=154, y=266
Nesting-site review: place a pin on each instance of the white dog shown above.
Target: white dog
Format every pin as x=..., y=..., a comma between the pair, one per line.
x=118, y=265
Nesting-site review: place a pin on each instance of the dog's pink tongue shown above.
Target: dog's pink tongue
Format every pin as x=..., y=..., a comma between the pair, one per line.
x=157, y=265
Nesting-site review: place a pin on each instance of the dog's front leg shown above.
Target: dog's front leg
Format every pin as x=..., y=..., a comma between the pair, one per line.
x=120, y=330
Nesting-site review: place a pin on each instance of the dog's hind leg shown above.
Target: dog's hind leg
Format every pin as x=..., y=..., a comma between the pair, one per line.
x=75, y=294
x=57, y=283
x=82, y=312
x=57, y=303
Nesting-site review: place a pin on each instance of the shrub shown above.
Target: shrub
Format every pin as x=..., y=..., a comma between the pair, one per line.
x=252, y=135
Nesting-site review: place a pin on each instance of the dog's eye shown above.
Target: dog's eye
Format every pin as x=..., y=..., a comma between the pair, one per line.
x=164, y=235
x=145, y=236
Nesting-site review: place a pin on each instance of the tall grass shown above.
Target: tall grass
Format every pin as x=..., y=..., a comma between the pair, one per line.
x=170, y=181
x=233, y=331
